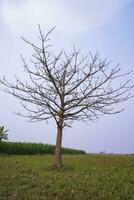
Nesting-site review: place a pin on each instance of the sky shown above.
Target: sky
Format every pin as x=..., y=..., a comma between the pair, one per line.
x=92, y=25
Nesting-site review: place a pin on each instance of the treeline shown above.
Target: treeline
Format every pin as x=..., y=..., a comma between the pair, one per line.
x=19, y=148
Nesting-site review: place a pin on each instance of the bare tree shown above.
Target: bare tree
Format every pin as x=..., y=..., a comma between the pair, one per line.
x=67, y=87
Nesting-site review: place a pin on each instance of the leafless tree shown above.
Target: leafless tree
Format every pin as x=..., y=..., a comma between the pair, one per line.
x=67, y=87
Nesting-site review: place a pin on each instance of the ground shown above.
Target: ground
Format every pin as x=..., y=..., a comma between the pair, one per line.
x=83, y=177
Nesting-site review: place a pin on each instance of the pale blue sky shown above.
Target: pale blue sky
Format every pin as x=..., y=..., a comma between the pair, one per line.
x=103, y=25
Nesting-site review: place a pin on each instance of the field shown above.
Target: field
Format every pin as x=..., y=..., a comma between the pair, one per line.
x=24, y=148
x=83, y=177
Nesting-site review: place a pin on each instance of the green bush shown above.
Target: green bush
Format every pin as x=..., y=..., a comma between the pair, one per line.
x=19, y=148
x=3, y=134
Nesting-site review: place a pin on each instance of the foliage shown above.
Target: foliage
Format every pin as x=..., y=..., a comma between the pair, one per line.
x=3, y=134
x=85, y=177
x=19, y=148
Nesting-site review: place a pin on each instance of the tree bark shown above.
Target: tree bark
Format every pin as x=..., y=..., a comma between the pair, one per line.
x=58, y=159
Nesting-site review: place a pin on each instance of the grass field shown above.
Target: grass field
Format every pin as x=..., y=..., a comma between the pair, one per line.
x=95, y=177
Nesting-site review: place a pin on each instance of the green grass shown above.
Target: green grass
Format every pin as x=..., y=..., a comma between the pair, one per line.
x=83, y=177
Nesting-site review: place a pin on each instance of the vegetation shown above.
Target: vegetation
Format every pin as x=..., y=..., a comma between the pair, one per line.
x=67, y=87
x=3, y=134
x=84, y=177
x=20, y=148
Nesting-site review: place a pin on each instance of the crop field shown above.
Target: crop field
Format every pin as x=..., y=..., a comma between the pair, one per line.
x=22, y=148
x=83, y=177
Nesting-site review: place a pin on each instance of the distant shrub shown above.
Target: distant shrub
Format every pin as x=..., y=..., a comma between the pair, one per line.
x=19, y=148
x=3, y=134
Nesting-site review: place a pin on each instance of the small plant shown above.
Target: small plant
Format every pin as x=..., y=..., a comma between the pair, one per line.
x=3, y=134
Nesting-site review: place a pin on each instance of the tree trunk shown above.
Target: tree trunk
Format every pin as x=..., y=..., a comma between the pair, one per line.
x=58, y=160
